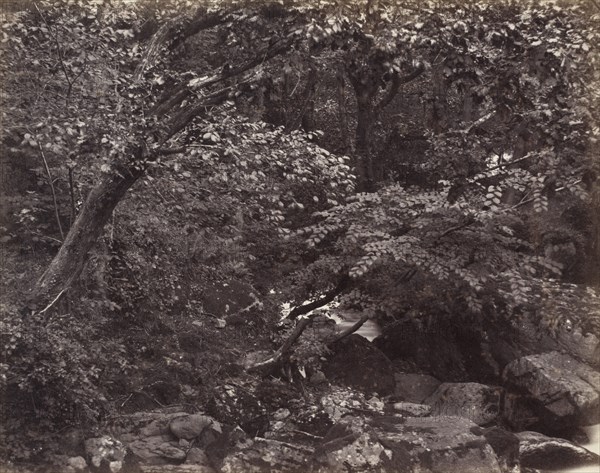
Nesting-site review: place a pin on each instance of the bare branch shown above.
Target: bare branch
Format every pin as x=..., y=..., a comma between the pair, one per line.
x=279, y=356
x=326, y=299
x=350, y=330
x=51, y=182
x=397, y=81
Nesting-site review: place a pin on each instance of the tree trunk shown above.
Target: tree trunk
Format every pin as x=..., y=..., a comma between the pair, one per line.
x=67, y=265
x=364, y=133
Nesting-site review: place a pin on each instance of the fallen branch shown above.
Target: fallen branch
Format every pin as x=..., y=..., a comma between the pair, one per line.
x=53, y=302
x=350, y=330
x=275, y=361
x=326, y=299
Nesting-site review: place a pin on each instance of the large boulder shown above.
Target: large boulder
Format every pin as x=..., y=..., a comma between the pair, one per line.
x=393, y=444
x=560, y=390
x=190, y=426
x=158, y=450
x=548, y=453
x=457, y=353
x=477, y=402
x=358, y=363
x=414, y=387
x=507, y=341
x=433, y=349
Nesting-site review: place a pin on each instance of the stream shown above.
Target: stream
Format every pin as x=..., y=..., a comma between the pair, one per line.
x=593, y=433
x=370, y=329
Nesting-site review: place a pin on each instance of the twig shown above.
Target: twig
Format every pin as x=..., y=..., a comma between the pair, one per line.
x=51, y=182
x=72, y=194
x=305, y=433
x=127, y=400
x=53, y=302
x=59, y=52
x=453, y=229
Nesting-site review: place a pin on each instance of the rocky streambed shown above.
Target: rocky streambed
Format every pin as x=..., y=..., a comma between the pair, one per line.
x=365, y=413
x=409, y=401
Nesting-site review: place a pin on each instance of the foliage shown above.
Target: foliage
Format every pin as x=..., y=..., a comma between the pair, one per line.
x=237, y=118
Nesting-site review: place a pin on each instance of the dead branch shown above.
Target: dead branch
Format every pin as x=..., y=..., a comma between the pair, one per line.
x=326, y=299
x=350, y=330
x=275, y=361
x=51, y=182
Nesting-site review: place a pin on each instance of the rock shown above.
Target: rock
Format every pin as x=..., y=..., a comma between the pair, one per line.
x=78, y=463
x=261, y=455
x=157, y=450
x=358, y=363
x=393, y=444
x=197, y=456
x=505, y=445
x=518, y=412
x=281, y=414
x=410, y=409
x=104, y=450
x=156, y=423
x=476, y=402
x=585, y=347
x=318, y=377
x=376, y=404
x=221, y=323
x=562, y=391
x=190, y=426
x=539, y=451
x=415, y=387
x=350, y=445
x=178, y=469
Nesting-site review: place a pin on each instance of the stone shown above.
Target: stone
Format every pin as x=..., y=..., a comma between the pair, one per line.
x=411, y=409
x=197, y=456
x=394, y=444
x=548, y=453
x=177, y=469
x=158, y=424
x=358, y=363
x=104, y=449
x=561, y=390
x=261, y=455
x=415, y=387
x=505, y=445
x=281, y=414
x=157, y=450
x=318, y=377
x=190, y=426
x=78, y=463
x=477, y=402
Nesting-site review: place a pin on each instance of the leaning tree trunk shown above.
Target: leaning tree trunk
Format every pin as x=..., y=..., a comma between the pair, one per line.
x=67, y=265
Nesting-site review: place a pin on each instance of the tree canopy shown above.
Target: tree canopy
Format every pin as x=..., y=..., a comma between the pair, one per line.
x=400, y=159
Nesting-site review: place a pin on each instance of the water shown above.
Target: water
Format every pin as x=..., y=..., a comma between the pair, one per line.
x=593, y=433
x=369, y=330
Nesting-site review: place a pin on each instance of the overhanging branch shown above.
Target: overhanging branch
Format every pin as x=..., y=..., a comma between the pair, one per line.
x=397, y=81
x=326, y=299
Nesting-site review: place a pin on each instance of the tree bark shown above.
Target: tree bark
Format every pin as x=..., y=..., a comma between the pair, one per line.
x=279, y=357
x=67, y=265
